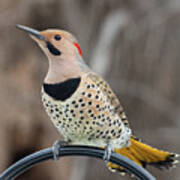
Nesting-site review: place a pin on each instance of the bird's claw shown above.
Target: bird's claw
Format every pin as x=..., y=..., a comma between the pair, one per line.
x=107, y=154
x=56, y=148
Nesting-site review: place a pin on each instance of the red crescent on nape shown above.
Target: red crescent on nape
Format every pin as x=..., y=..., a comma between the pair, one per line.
x=78, y=48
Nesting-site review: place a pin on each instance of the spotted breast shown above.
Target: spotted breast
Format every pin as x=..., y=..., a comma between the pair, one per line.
x=83, y=114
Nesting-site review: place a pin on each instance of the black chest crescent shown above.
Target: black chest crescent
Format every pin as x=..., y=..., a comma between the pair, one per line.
x=64, y=90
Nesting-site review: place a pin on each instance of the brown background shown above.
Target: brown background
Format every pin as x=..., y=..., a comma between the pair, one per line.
x=134, y=44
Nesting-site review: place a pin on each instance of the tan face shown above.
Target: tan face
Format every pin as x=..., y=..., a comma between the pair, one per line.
x=58, y=44
x=63, y=52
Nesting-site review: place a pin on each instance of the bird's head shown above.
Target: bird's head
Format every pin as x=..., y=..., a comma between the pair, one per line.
x=62, y=50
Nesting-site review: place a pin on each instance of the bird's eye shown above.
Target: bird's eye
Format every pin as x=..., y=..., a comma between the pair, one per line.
x=57, y=37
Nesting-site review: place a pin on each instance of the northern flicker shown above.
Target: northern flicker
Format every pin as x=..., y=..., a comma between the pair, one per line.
x=82, y=105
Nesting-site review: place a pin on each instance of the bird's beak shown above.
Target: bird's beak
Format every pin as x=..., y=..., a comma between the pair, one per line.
x=31, y=31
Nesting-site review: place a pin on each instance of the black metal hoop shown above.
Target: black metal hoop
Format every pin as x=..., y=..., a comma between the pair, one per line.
x=29, y=161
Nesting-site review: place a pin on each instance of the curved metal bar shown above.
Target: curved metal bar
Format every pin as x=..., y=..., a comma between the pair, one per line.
x=29, y=161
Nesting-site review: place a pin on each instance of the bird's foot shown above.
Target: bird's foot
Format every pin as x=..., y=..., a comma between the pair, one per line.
x=56, y=148
x=107, y=154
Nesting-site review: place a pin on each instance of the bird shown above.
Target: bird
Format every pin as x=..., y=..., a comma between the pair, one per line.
x=83, y=107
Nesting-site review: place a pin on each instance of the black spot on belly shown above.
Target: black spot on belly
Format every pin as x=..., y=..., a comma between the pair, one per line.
x=62, y=91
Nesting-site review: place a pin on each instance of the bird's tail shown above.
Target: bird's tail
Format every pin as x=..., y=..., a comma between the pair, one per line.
x=145, y=155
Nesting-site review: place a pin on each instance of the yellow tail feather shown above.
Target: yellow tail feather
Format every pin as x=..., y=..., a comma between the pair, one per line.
x=144, y=155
